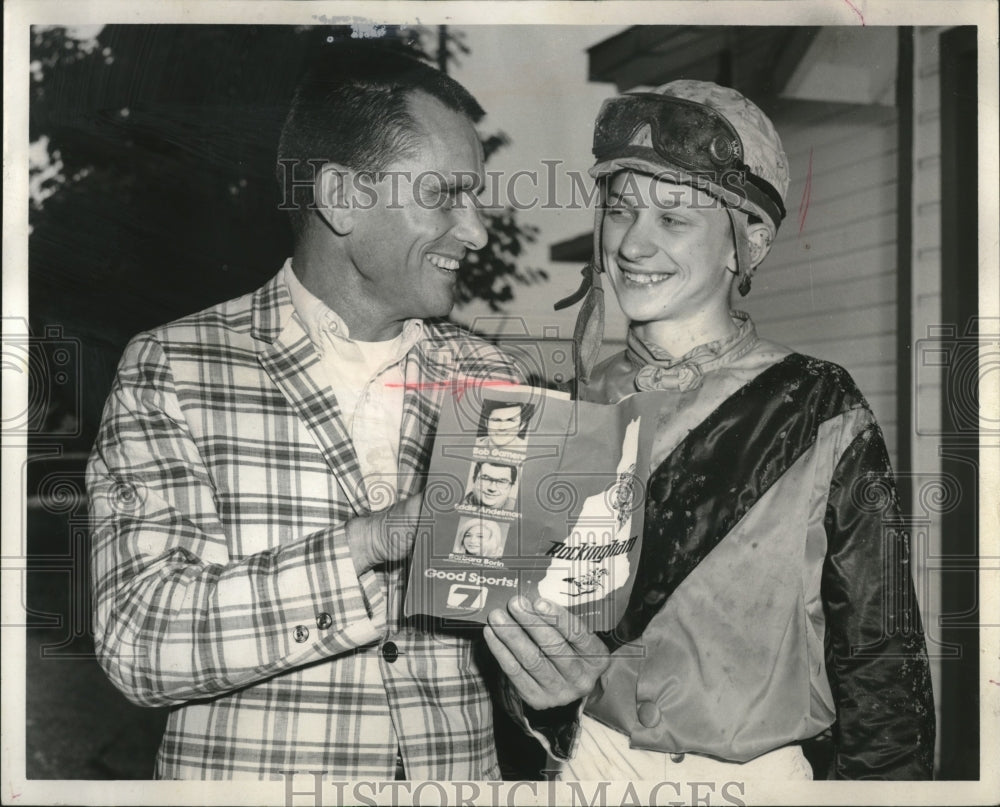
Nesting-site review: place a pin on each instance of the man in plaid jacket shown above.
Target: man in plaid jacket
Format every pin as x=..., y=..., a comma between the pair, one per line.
x=253, y=485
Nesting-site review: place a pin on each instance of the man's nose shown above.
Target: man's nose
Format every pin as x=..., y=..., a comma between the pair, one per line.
x=469, y=227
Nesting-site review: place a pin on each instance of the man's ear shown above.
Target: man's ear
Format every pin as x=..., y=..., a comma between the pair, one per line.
x=759, y=237
x=332, y=195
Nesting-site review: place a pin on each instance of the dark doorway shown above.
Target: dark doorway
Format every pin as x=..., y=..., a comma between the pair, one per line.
x=958, y=735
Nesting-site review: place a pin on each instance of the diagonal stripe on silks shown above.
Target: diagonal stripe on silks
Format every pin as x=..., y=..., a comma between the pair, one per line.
x=722, y=468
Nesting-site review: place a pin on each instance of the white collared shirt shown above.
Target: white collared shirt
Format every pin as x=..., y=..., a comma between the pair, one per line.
x=367, y=379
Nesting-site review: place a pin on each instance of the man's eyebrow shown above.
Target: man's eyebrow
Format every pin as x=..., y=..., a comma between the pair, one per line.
x=670, y=202
x=619, y=197
x=465, y=181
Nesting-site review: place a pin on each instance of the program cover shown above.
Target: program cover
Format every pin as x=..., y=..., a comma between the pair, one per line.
x=533, y=495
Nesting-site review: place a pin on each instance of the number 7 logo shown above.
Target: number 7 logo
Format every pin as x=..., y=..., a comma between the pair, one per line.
x=468, y=598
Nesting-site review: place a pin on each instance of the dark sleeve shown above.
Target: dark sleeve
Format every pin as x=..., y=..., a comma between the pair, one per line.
x=557, y=729
x=876, y=655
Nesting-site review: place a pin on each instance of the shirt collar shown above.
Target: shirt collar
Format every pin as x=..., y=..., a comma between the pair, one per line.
x=322, y=322
x=656, y=369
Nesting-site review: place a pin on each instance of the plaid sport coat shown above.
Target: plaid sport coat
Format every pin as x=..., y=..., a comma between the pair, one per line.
x=219, y=486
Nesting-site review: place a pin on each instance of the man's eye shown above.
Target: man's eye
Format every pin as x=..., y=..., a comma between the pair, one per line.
x=617, y=212
x=459, y=197
x=438, y=199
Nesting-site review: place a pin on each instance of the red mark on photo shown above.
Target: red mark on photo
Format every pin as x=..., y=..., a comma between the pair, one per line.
x=806, y=194
x=854, y=8
x=458, y=387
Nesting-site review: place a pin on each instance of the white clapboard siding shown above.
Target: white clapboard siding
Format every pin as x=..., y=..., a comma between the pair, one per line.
x=927, y=235
x=835, y=298
x=828, y=288
x=869, y=260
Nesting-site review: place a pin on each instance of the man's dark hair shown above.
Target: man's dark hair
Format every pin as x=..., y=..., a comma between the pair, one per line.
x=479, y=467
x=350, y=107
x=491, y=404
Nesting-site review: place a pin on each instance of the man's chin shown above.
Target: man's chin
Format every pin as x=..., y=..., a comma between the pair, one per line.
x=441, y=308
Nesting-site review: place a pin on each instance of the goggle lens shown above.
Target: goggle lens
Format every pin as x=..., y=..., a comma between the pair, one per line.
x=684, y=134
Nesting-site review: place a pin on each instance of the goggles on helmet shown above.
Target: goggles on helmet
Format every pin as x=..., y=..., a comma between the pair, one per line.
x=687, y=135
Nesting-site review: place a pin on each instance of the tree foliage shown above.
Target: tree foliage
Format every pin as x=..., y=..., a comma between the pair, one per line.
x=153, y=191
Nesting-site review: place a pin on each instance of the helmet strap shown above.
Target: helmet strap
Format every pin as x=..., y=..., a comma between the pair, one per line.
x=741, y=242
x=589, y=331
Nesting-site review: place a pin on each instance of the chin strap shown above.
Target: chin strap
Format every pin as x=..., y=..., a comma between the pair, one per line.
x=589, y=329
x=741, y=240
x=580, y=293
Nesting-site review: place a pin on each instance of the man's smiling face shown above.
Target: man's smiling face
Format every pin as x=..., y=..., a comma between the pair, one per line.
x=503, y=425
x=421, y=218
x=493, y=484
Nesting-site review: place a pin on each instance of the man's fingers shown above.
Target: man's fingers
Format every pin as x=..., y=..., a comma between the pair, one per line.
x=547, y=640
x=562, y=636
x=573, y=629
x=545, y=651
x=521, y=647
x=542, y=652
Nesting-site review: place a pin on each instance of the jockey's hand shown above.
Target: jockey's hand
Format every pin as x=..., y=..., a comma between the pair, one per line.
x=545, y=651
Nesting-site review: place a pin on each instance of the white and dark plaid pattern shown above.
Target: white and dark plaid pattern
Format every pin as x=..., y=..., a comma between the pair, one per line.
x=220, y=483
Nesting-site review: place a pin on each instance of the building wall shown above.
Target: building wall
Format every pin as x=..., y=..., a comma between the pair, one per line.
x=828, y=287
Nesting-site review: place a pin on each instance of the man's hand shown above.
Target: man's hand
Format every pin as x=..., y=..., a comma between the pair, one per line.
x=384, y=536
x=546, y=652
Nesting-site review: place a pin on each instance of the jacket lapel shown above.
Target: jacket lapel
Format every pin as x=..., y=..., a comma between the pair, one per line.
x=427, y=387
x=289, y=357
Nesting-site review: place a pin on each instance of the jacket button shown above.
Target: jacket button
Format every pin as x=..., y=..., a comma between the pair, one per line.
x=676, y=757
x=649, y=714
x=300, y=634
x=390, y=652
x=323, y=620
